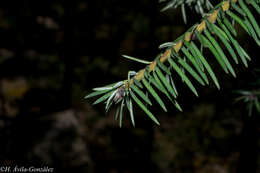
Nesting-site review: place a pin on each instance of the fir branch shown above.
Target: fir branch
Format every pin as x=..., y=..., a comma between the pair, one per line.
x=183, y=57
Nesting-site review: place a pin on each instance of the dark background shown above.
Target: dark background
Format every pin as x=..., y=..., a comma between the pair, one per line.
x=53, y=53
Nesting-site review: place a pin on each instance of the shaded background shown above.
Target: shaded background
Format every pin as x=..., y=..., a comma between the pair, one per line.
x=52, y=54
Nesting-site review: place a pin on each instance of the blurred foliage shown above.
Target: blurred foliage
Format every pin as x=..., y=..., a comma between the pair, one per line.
x=51, y=55
x=251, y=97
x=199, y=6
